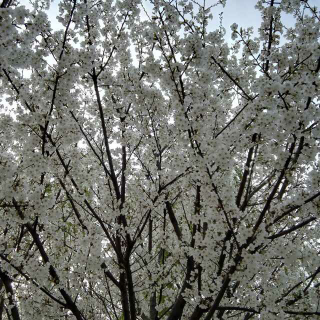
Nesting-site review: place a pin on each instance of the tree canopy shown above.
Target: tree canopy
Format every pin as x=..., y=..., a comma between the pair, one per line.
x=151, y=169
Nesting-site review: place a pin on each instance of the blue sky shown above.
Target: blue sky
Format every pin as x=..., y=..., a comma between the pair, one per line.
x=241, y=12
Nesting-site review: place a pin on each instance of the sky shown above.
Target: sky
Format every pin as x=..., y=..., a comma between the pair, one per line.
x=241, y=12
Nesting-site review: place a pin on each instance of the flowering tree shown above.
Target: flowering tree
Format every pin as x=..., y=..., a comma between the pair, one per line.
x=150, y=170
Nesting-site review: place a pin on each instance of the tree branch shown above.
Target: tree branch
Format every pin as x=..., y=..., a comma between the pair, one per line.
x=293, y=228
